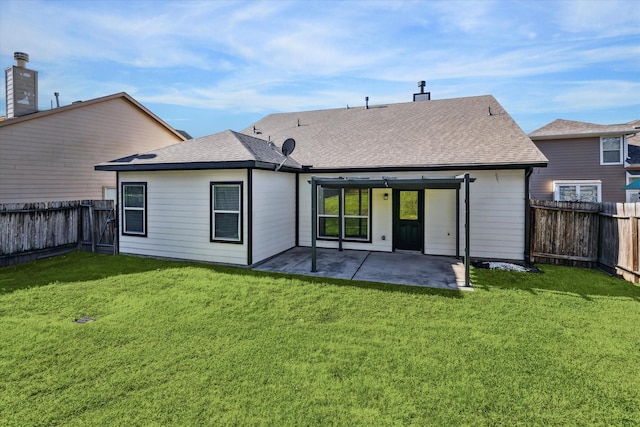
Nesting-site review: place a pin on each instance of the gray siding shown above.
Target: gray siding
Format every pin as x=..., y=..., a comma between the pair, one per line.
x=576, y=159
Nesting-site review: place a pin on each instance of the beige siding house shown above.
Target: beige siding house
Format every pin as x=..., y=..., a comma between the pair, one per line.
x=398, y=177
x=50, y=155
x=587, y=162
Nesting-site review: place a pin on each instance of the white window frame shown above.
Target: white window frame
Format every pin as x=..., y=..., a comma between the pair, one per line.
x=633, y=196
x=345, y=217
x=110, y=193
x=620, y=151
x=142, y=208
x=577, y=184
x=215, y=211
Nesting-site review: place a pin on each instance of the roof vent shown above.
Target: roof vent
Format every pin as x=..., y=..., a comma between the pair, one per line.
x=422, y=96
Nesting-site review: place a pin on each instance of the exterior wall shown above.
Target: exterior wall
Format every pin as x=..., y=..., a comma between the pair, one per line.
x=274, y=213
x=52, y=158
x=576, y=159
x=179, y=217
x=497, y=215
x=440, y=222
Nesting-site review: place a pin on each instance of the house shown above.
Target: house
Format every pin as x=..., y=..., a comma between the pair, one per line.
x=411, y=176
x=587, y=162
x=50, y=155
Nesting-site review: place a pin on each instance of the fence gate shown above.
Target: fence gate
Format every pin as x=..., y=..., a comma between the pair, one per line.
x=99, y=227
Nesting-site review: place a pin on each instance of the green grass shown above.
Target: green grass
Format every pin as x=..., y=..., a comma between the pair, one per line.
x=187, y=344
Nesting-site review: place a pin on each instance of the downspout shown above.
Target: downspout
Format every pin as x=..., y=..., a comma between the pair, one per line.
x=297, y=242
x=458, y=222
x=249, y=216
x=116, y=236
x=527, y=216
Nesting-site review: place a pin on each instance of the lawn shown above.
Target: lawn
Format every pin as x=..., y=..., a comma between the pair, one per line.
x=189, y=344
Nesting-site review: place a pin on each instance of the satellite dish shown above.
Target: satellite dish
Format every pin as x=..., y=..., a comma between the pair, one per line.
x=288, y=146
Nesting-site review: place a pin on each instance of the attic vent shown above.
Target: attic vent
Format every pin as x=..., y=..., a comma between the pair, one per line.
x=422, y=96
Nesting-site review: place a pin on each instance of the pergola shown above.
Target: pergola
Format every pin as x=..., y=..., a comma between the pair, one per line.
x=423, y=183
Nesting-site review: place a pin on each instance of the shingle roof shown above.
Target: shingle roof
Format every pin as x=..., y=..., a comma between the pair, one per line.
x=223, y=148
x=82, y=104
x=571, y=129
x=437, y=133
x=451, y=133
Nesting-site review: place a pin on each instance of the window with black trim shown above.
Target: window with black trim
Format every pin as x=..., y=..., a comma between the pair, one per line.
x=134, y=208
x=355, y=213
x=226, y=212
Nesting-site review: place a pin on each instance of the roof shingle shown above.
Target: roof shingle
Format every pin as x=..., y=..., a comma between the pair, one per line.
x=461, y=131
x=572, y=129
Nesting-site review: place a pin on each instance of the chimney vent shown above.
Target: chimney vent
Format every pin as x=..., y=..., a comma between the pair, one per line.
x=22, y=87
x=22, y=59
x=422, y=96
x=57, y=95
x=366, y=101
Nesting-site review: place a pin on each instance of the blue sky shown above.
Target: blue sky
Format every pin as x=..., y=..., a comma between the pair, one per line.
x=209, y=66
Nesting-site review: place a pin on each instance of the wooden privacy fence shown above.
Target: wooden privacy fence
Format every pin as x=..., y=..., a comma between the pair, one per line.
x=596, y=235
x=31, y=231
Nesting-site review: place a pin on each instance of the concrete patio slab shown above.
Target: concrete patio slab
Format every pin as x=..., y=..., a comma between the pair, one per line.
x=405, y=268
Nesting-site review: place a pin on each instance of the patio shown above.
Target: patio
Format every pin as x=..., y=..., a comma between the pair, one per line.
x=403, y=268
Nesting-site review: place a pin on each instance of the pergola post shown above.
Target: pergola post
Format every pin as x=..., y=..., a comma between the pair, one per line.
x=314, y=222
x=467, y=231
x=340, y=219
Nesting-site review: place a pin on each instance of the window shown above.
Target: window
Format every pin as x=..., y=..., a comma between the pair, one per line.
x=633, y=196
x=226, y=208
x=134, y=202
x=611, y=148
x=110, y=193
x=577, y=191
x=355, y=212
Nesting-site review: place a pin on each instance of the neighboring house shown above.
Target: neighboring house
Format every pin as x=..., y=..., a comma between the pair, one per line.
x=387, y=177
x=633, y=164
x=50, y=155
x=587, y=162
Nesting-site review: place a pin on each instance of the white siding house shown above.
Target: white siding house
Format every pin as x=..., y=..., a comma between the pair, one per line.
x=388, y=179
x=274, y=213
x=178, y=216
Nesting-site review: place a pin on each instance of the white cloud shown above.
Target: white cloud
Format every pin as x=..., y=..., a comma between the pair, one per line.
x=583, y=95
x=263, y=56
x=605, y=18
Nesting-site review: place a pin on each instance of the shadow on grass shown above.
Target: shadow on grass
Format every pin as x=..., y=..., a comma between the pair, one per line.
x=73, y=267
x=386, y=287
x=84, y=266
x=582, y=282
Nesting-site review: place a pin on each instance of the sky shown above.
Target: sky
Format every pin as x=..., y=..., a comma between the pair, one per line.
x=208, y=66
